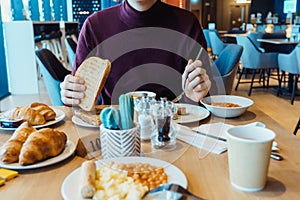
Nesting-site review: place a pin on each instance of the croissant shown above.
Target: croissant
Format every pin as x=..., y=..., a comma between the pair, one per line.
x=29, y=114
x=41, y=145
x=44, y=110
x=10, y=151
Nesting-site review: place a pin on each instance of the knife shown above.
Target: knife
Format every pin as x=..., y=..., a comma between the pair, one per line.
x=211, y=136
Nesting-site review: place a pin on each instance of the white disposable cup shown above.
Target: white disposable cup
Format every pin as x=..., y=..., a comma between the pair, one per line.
x=249, y=149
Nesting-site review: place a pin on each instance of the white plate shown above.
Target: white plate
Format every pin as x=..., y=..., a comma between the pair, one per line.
x=193, y=113
x=70, y=186
x=76, y=120
x=68, y=151
x=60, y=115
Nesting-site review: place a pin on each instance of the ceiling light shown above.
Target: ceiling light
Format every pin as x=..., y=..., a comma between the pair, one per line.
x=243, y=1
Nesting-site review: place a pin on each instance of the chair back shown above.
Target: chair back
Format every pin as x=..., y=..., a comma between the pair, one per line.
x=298, y=55
x=217, y=44
x=227, y=64
x=250, y=56
x=53, y=74
x=71, y=46
x=290, y=62
x=254, y=36
x=206, y=35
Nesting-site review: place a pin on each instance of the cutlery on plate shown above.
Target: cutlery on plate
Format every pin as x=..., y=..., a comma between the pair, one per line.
x=174, y=188
x=182, y=93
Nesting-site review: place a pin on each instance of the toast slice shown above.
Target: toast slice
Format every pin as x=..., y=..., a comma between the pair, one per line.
x=90, y=117
x=94, y=71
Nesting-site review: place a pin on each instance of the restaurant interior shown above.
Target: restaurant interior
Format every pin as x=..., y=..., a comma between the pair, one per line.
x=254, y=44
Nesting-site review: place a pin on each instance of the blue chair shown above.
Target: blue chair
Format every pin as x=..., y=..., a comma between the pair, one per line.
x=254, y=36
x=253, y=59
x=217, y=45
x=227, y=64
x=206, y=35
x=290, y=63
x=71, y=46
x=53, y=73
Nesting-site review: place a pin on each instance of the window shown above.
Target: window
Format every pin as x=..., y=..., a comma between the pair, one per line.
x=289, y=6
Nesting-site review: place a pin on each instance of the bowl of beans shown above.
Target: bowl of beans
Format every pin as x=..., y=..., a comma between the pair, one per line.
x=226, y=106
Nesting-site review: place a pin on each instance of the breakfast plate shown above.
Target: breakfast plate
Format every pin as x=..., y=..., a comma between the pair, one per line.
x=193, y=113
x=76, y=120
x=60, y=115
x=70, y=186
x=68, y=151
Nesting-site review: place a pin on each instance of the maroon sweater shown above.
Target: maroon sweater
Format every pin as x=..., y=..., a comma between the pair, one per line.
x=148, y=50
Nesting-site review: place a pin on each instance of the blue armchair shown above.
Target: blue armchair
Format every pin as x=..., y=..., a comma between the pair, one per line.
x=253, y=59
x=254, y=36
x=53, y=74
x=227, y=64
x=206, y=35
x=217, y=45
x=290, y=63
x=71, y=46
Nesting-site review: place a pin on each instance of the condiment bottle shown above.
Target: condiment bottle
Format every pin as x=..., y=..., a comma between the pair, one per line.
x=163, y=136
x=145, y=119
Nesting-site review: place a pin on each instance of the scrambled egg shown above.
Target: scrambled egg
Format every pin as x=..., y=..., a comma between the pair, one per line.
x=115, y=185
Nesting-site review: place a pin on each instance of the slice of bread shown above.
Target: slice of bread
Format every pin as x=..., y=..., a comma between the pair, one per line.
x=94, y=71
x=91, y=117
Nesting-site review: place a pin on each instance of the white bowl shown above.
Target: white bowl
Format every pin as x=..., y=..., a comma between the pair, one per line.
x=227, y=112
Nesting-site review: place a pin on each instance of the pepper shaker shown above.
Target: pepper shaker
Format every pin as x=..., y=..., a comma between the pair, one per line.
x=164, y=136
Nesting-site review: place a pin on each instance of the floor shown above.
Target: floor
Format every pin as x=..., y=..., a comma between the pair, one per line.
x=23, y=100
x=279, y=108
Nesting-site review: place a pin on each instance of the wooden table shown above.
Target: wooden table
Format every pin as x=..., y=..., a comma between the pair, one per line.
x=207, y=177
x=278, y=41
x=278, y=45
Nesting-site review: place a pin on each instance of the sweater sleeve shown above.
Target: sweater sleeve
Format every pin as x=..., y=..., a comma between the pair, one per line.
x=197, y=34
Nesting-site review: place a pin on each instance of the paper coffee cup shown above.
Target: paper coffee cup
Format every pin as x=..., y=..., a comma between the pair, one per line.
x=249, y=149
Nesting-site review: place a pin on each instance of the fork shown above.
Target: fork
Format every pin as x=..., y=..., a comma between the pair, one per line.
x=174, y=188
x=179, y=97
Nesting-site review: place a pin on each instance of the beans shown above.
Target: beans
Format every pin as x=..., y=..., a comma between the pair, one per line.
x=146, y=174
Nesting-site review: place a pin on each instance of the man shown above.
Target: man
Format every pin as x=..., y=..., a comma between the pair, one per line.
x=143, y=39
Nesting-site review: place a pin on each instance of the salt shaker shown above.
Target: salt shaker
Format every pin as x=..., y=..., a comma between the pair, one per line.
x=145, y=119
x=163, y=136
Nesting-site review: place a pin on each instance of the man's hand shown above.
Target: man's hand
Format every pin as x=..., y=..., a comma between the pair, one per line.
x=195, y=81
x=72, y=90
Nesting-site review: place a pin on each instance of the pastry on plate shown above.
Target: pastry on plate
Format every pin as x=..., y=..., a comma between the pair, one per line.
x=42, y=144
x=10, y=150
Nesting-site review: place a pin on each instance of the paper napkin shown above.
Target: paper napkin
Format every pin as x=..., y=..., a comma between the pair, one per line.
x=213, y=145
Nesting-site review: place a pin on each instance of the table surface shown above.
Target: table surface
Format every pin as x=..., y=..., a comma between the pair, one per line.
x=235, y=34
x=278, y=41
x=207, y=173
